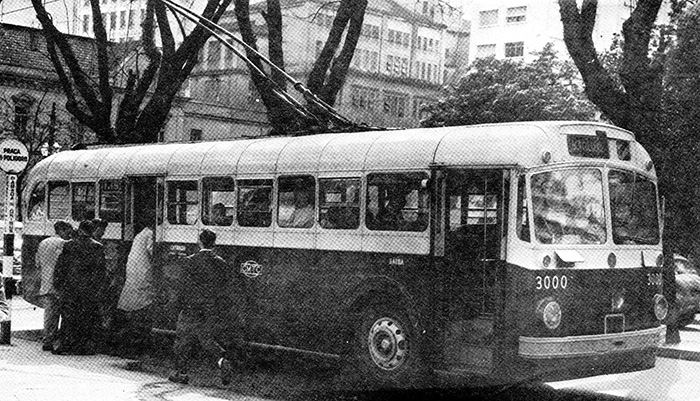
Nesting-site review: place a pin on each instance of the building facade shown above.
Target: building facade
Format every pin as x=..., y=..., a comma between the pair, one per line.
x=399, y=64
x=515, y=29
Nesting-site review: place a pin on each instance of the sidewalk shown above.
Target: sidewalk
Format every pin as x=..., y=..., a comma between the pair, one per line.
x=689, y=347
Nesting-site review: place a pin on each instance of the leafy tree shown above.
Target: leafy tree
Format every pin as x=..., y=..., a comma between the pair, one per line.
x=328, y=73
x=503, y=90
x=149, y=89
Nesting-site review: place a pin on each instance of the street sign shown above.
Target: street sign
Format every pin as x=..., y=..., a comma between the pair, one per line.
x=13, y=156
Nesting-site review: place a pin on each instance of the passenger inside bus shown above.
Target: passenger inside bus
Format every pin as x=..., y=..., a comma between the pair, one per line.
x=302, y=215
x=218, y=215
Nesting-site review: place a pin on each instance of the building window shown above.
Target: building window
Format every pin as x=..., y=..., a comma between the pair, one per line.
x=515, y=15
x=213, y=54
x=122, y=19
x=319, y=48
x=488, y=18
x=21, y=120
x=183, y=199
x=195, y=134
x=362, y=97
x=112, y=21
x=514, y=49
x=86, y=23
x=419, y=104
x=483, y=51
x=131, y=20
x=395, y=104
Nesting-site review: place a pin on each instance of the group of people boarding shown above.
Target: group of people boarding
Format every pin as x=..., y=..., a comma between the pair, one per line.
x=92, y=305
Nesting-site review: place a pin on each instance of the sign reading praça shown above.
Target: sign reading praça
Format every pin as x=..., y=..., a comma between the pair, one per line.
x=14, y=156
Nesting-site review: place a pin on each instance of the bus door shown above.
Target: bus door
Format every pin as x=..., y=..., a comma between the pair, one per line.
x=473, y=204
x=143, y=200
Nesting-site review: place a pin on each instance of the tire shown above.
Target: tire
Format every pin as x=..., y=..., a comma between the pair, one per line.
x=385, y=349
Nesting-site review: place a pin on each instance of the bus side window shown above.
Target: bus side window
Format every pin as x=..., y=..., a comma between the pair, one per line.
x=397, y=202
x=59, y=200
x=339, y=203
x=218, y=201
x=37, y=202
x=183, y=199
x=254, y=203
x=111, y=198
x=522, y=220
x=83, y=204
x=296, y=202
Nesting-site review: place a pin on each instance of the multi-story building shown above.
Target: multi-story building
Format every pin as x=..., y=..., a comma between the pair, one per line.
x=516, y=29
x=399, y=63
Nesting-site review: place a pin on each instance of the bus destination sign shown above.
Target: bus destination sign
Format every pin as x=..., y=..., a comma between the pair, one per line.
x=589, y=146
x=14, y=156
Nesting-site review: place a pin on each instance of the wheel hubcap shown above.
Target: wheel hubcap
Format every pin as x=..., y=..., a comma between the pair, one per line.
x=387, y=343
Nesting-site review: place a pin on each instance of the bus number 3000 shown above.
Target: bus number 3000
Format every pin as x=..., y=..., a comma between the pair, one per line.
x=554, y=282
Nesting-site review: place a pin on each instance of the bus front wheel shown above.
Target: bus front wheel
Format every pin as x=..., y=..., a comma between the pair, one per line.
x=385, y=350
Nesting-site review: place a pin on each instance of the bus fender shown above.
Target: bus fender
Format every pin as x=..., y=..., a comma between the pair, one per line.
x=382, y=290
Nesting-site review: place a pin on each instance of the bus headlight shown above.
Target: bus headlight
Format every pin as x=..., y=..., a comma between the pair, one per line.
x=550, y=311
x=660, y=307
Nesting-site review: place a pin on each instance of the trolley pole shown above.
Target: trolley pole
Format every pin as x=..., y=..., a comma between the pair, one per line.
x=13, y=160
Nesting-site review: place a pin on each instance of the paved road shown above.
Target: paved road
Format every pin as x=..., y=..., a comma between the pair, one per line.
x=27, y=373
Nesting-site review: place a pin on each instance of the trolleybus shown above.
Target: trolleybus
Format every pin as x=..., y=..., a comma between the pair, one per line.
x=503, y=250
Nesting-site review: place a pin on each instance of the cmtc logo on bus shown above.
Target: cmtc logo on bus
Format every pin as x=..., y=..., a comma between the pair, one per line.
x=14, y=157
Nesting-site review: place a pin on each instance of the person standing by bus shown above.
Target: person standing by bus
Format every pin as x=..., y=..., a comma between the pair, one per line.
x=133, y=318
x=47, y=254
x=202, y=300
x=80, y=279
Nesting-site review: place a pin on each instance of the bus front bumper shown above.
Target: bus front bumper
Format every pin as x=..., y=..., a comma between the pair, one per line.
x=591, y=345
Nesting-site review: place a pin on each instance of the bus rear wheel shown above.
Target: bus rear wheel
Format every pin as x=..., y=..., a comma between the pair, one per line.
x=385, y=350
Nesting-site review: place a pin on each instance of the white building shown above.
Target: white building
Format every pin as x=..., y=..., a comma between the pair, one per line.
x=517, y=28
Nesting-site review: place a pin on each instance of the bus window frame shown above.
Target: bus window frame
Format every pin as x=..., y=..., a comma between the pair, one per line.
x=294, y=180
x=260, y=216
x=73, y=204
x=110, y=216
x=168, y=184
x=45, y=203
x=360, y=192
x=48, y=200
x=205, y=218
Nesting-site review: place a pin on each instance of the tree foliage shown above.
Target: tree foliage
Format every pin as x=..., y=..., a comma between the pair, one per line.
x=328, y=73
x=150, y=85
x=503, y=91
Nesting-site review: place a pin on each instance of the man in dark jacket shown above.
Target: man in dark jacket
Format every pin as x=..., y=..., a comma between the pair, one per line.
x=79, y=278
x=203, y=300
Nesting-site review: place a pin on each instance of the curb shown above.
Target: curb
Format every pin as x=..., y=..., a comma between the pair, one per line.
x=675, y=353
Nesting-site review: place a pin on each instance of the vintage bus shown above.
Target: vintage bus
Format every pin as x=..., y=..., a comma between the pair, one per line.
x=505, y=251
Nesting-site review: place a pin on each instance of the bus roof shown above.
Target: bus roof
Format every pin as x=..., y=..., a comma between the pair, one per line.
x=521, y=144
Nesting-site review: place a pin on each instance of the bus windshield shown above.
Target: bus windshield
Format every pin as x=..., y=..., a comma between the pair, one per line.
x=568, y=207
x=633, y=206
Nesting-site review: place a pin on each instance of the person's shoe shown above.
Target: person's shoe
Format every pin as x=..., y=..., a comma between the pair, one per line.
x=47, y=347
x=225, y=371
x=178, y=377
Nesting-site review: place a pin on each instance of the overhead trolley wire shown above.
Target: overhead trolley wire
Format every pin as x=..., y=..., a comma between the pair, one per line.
x=310, y=97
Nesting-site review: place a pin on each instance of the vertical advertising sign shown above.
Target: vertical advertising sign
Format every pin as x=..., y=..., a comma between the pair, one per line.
x=13, y=160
